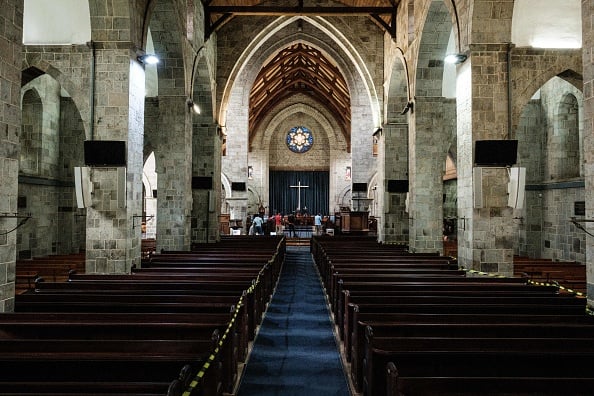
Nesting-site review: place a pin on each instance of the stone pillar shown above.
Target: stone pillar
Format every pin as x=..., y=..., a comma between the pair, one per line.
x=11, y=37
x=428, y=142
x=395, y=164
x=486, y=230
x=588, y=150
x=174, y=165
x=113, y=232
x=206, y=162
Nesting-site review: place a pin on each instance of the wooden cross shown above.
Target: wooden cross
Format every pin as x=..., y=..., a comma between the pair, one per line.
x=299, y=186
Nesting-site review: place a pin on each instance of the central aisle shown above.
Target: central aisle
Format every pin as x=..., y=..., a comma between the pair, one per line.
x=295, y=352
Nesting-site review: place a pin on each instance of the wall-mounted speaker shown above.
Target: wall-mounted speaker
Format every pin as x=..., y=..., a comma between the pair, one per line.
x=211, y=201
x=516, y=187
x=83, y=187
x=477, y=187
x=121, y=178
x=406, y=203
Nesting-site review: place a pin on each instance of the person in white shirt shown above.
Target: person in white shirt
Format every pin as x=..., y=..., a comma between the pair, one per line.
x=318, y=223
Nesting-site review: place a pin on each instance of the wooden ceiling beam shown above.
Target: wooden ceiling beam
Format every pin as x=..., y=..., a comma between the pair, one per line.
x=300, y=11
x=226, y=13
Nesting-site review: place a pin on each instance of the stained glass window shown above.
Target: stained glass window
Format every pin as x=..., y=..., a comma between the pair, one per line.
x=299, y=139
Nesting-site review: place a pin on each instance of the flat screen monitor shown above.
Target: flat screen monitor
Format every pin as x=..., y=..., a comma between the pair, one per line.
x=495, y=152
x=105, y=152
x=238, y=186
x=201, y=182
x=397, y=186
x=359, y=187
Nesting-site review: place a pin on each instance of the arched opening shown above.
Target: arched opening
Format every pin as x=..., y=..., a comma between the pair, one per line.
x=51, y=146
x=31, y=130
x=549, y=147
x=567, y=126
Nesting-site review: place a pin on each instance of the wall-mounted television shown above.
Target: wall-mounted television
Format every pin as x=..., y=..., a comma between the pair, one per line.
x=397, y=186
x=238, y=186
x=359, y=187
x=105, y=152
x=498, y=153
x=201, y=182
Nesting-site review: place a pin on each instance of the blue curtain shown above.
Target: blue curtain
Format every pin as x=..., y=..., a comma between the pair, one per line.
x=315, y=197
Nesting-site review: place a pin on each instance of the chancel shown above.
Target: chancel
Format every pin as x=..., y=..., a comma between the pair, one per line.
x=451, y=200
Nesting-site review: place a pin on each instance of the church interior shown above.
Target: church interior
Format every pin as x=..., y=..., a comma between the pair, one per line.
x=457, y=131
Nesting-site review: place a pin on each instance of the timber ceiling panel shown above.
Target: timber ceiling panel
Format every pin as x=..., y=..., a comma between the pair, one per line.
x=300, y=69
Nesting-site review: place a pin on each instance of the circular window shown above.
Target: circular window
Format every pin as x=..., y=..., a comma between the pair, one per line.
x=299, y=139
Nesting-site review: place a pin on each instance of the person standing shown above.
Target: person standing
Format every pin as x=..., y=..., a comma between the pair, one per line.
x=258, y=225
x=291, y=220
x=278, y=221
x=318, y=223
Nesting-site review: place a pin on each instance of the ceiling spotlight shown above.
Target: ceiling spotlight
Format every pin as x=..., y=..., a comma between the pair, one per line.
x=193, y=106
x=455, y=59
x=149, y=59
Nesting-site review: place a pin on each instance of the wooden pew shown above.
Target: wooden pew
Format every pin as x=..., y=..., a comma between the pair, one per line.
x=438, y=315
x=203, y=326
x=425, y=285
x=105, y=361
x=513, y=310
x=461, y=385
x=203, y=285
x=475, y=357
x=463, y=325
x=569, y=274
x=54, y=268
x=378, y=306
x=25, y=280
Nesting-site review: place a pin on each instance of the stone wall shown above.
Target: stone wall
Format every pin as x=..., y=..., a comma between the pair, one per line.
x=11, y=22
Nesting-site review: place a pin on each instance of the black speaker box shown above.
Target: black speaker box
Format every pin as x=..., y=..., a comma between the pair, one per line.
x=201, y=183
x=105, y=152
x=359, y=187
x=238, y=186
x=499, y=153
x=397, y=186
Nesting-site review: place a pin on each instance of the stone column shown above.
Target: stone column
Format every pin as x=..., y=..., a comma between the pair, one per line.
x=11, y=37
x=174, y=166
x=588, y=49
x=113, y=232
x=206, y=162
x=428, y=142
x=485, y=229
x=395, y=164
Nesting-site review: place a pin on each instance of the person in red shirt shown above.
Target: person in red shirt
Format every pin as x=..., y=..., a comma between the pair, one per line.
x=278, y=221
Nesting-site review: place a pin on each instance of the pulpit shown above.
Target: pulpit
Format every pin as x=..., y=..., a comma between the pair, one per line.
x=224, y=226
x=354, y=222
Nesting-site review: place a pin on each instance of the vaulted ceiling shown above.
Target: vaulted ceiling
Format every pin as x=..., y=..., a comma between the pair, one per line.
x=303, y=69
x=300, y=68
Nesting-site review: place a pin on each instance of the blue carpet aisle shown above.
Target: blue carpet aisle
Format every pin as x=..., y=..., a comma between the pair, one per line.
x=295, y=352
